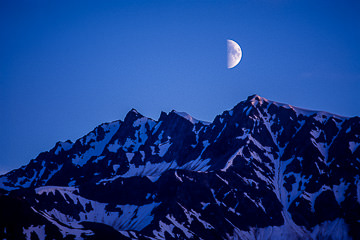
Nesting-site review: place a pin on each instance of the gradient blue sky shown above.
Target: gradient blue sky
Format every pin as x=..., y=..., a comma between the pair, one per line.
x=67, y=66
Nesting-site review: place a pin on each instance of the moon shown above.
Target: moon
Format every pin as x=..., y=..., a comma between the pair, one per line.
x=234, y=53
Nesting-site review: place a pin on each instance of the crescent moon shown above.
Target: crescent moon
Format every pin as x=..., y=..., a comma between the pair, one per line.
x=234, y=53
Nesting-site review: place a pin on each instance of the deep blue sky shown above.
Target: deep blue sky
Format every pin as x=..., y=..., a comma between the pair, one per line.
x=67, y=66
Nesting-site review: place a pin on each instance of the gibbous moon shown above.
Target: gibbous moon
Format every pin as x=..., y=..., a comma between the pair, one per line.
x=234, y=53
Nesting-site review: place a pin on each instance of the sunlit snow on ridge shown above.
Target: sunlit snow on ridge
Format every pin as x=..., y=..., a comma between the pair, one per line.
x=190, y=118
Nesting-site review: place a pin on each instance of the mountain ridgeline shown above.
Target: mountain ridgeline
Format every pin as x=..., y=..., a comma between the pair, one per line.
x=262, y=170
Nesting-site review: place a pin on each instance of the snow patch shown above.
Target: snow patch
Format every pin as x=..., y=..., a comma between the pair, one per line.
x=190, y=214
x=116, y=167
x=154, y=170
x=190, y=118
x=72, y=183
x=187, y=232
x=227, y=183
x=114, y=147
x=130, y=217
x=78, y=233
x=231, y=160
x=52, y=189
x=353, y=146
x=63, y=146
x=164, y=228
x=163, y=148
x=187, y=117
x=149, y=169
x=130, y=156
x=339, y=191
x=177, y=176
x=38, y=230
x=204, y=205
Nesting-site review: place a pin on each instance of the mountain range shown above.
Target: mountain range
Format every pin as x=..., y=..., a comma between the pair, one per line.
x=262, y=170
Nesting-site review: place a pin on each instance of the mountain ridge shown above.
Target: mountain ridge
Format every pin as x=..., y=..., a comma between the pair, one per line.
x=262, y=170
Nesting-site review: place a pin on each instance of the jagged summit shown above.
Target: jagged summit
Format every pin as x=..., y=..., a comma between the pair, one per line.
x=262, y=170
x=258, y=101
x=189, y=118
x=132, y=116
x=255, y=97
x=254, y=100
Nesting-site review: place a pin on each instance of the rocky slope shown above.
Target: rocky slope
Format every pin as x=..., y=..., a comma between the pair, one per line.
x=262, y=170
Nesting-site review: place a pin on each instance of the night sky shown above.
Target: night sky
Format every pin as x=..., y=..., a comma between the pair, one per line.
x=68, y=66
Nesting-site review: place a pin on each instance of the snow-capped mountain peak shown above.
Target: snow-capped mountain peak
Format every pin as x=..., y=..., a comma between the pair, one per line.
x=262, y=170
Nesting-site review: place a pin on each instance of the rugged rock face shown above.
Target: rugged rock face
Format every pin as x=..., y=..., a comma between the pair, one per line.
x=262, y=170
